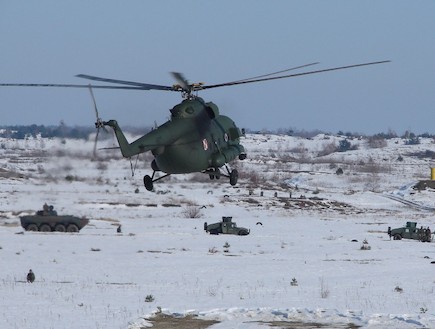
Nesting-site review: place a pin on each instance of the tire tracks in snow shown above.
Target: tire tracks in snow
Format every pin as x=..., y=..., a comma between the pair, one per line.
x=409, y=203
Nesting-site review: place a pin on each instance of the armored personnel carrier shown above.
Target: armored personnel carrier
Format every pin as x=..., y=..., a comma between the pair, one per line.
x=227, y=226
x=47, y=220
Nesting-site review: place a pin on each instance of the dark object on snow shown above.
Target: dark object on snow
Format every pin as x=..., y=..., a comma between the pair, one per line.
x=30, y=276
x=118, y=230
x=259, y=223
x=424, y=184
x=227, y=226
x=47, y=220
x=411, y=231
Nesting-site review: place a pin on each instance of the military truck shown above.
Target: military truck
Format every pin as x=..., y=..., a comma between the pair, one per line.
x=227, y=226
x=411, y=231
x=47, y=220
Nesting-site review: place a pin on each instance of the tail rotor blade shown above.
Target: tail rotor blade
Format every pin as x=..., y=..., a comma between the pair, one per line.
x=98, y=123
x=95, y=103
x=95, y=143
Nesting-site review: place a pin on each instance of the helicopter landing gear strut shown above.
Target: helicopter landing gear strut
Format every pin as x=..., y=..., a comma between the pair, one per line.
x=233, y=175
x=148, y=181
x=214, y=173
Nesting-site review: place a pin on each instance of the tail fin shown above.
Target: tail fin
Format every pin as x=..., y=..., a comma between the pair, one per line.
x=127, y=149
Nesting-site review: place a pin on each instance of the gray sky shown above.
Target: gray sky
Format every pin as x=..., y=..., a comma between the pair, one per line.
x=218, y=41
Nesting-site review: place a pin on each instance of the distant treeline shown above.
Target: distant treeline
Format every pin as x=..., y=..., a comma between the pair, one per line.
x=61, y=131
x=83, y=132
x=311, y=133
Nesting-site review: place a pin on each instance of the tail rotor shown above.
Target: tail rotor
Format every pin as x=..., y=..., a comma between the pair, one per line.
x=99, y=123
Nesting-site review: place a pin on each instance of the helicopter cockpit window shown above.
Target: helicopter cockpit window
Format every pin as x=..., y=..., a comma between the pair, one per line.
x=234, y=133
x=211, y=114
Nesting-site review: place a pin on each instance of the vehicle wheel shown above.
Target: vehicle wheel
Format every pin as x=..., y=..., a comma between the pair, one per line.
x=148, y=182
x=214, y=232
x=45, y=228
x=60, y=228
x=32, y=227
x=397, y=237
x=72, y=228
x=234, y=176
x=243, y=232
x=218, y=173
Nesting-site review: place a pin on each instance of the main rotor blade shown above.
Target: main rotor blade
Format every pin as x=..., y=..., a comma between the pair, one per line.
x=275, y=73
x=65, y=86
x=131, y=85
x=184, y=84
x=291, y=75
x=138, y=85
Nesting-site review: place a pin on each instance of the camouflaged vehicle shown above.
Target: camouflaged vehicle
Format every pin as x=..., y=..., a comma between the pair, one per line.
x=47, y=220
x=411, y=231
x=227, y=226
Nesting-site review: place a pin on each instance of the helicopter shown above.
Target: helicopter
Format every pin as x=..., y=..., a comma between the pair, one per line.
x=196, y=138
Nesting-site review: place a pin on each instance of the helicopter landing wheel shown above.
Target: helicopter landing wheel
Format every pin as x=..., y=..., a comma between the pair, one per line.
x=214, y=173
x=148, y=182
x=234, y=175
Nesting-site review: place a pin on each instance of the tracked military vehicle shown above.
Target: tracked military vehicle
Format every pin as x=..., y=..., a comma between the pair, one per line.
x=227, y=226
x=411, y=231
x=47, y=220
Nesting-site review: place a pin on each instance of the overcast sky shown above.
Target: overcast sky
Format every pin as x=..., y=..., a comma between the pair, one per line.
x=218, y=41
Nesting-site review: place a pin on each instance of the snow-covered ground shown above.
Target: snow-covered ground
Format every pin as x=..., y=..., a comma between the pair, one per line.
x=320, y=256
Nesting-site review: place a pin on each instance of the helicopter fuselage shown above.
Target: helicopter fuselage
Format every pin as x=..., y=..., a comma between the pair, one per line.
x=195, y=151
x=197, y=138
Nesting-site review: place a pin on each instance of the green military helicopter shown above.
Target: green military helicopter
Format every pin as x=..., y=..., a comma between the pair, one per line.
x=197, y=138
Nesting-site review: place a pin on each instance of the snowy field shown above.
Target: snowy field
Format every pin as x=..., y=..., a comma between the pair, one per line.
x=317, y=254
